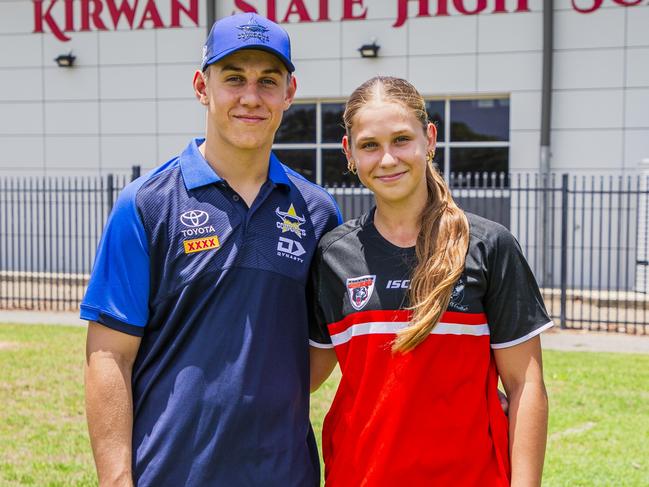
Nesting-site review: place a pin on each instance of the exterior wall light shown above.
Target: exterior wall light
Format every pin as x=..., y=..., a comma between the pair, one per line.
x=65, y=60
x=369, y=50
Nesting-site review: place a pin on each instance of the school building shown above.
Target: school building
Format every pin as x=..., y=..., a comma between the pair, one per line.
x=92, y=87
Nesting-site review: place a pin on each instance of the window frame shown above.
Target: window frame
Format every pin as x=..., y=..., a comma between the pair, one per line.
x=447, y=144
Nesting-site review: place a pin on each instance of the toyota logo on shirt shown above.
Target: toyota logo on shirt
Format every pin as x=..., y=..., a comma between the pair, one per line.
x=194, y=218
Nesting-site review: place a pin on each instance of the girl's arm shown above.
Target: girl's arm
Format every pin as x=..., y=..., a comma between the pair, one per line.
x=521, y=371
x=322, y=362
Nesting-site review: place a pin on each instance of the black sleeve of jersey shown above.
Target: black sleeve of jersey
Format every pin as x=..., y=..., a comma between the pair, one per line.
x=513, y=302
x=318, y=332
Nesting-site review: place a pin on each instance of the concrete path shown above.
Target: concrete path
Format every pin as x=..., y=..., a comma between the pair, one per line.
x=42, y=317
x=554, y=339
x=590, y=341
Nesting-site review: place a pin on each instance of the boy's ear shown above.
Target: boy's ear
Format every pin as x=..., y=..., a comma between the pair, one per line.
x=290, y=92
x=200, y=87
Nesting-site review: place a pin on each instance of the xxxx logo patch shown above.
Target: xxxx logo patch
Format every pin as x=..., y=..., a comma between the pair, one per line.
x=200, y=244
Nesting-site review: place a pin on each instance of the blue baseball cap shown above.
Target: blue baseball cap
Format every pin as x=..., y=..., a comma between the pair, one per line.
x=246, y=31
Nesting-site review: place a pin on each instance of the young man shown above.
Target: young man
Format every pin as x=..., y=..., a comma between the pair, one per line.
x=197, y=349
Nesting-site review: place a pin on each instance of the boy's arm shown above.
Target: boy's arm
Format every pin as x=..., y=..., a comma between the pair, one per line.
x=110, y=355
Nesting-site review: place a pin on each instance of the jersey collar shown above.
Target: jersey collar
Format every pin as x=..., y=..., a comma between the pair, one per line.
x=197, y=172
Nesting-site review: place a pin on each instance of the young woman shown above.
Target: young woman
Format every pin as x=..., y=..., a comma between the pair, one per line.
x=424, y=307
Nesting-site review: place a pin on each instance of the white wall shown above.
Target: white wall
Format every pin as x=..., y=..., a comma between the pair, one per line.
x=600, y=80
x=129, y=99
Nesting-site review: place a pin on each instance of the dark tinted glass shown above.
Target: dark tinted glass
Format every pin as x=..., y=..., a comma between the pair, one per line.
x=332, y=122
x=480, y=159
x=435, y=111
x=300, y=160
x=439, y=159
x=479, y=120
x=334, y=169
x=298, y=124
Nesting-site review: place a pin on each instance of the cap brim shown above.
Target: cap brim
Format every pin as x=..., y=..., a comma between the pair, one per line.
x=287, y=62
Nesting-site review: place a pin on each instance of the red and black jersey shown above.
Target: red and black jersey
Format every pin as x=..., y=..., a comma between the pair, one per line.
x=430, y=416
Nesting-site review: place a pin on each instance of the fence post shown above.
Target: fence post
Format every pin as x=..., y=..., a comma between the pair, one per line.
x=546, y=234
x=135, y=172
x=110, y=188
x=564, y=248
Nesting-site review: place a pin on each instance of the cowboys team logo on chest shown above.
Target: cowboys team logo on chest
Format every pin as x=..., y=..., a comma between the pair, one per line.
x=359, y=290
x=290, y=221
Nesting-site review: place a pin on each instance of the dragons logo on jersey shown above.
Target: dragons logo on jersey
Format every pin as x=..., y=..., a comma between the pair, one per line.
x=290, y=221
x=457, y=296
x=360, y=290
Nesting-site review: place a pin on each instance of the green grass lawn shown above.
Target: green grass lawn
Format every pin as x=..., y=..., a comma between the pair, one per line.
x=599, y=422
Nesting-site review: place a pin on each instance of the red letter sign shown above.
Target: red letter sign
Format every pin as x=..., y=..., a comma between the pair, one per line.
x=40, y=17
x=348, y=10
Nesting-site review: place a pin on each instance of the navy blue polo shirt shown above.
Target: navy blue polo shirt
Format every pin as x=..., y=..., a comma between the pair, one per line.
x=216, y=290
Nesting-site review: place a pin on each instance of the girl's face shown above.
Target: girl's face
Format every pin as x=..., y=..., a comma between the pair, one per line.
x=388, y=148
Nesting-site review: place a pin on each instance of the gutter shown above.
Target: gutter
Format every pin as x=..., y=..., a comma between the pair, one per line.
x=211, y=15
x=545, y=159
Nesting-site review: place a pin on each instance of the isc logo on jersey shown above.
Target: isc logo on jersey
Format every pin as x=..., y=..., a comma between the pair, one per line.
x=359, y=290
x=398, y=284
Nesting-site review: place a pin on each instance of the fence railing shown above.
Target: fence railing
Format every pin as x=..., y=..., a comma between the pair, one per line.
x=49, y=230
x=585, y=237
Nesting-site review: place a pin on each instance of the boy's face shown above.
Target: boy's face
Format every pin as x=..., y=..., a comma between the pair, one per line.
x=246, y=94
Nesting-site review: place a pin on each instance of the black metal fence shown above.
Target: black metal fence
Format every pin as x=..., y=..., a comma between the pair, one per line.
x=585, y=237
x=49, y=230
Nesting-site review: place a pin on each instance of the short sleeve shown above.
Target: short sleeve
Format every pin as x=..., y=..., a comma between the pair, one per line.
x=318, y=333
x=118, y=290
x=513, y=302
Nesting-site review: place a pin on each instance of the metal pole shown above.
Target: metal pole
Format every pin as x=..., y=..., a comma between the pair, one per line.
x=545, y=164
x=110, y=187
x=564, y=247
x=546, y=100
x=135, y=172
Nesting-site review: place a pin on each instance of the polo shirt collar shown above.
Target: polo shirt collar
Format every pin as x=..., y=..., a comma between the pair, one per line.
x=197, y=172
x=276, y=172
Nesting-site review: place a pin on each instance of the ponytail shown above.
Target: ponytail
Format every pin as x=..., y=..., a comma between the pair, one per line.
x=441, y=251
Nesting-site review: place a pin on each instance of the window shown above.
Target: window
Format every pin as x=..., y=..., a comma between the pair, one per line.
x=472, y=136
x=309, y=142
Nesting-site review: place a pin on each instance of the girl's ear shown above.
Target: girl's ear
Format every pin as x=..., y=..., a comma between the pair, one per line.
x=431, y=135
x=351, y=165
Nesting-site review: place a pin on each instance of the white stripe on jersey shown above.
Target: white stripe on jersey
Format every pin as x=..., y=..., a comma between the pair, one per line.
x=392, y=327
x=522, y=339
